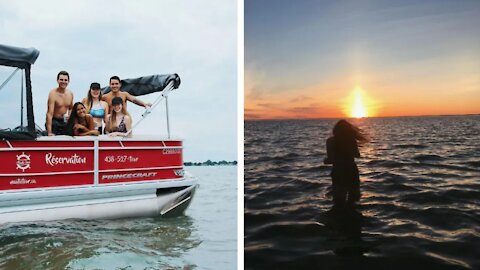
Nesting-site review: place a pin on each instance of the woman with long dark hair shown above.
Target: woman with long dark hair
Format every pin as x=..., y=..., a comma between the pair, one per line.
x=80, y=123
x=342, y=149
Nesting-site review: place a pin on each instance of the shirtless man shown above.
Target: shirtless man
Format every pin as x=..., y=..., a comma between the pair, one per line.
x=115, y=85
x=60, y=103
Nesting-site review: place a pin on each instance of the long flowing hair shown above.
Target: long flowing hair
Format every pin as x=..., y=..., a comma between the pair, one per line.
x=112, y=123
x=345, y=131
x=73, y=118
x=89, y=104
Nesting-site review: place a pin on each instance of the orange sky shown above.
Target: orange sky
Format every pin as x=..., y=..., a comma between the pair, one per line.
x=445, y=86
x=421, y=59
x=290, y=106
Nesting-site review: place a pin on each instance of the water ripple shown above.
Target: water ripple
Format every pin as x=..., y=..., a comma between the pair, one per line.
x=420, y=196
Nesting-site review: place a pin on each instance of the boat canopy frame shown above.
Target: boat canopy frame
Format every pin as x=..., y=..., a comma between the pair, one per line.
x=147, y=85
x=22, y=58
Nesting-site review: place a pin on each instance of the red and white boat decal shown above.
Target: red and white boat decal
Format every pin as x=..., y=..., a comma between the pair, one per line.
x=40, y=164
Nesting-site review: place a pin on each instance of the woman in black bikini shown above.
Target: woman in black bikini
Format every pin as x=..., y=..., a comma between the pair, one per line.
x=119, y=123
x=342, y=149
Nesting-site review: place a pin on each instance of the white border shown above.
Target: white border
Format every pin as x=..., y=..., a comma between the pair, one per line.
x=240, y=138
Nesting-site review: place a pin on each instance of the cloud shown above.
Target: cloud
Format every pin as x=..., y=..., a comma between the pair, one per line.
x=300, y=98
x=252, y=116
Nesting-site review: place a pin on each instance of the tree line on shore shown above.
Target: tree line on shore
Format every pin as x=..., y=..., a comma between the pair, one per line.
x=211, y=163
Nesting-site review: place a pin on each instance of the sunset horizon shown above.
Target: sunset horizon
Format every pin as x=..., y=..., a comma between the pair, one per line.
x=354, y=104
x=337, y=60
x=361, y=127
x=368, y=117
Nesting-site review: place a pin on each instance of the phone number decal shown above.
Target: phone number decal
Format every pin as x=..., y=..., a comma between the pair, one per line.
x=121, y=159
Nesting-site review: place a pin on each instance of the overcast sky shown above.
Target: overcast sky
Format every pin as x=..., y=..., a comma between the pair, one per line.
x=94, y=40
x=304, y=58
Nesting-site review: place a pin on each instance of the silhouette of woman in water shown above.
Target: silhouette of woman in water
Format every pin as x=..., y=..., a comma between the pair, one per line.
x=342, y=149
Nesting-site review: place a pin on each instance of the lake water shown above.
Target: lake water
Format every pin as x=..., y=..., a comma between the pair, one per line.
x=205, y=238
x=420, y=206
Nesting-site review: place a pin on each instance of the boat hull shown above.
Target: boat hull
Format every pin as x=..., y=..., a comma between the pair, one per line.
x=167, y=204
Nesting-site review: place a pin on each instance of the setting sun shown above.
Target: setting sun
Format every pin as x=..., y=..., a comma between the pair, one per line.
x=359, y=104
x=358, y=108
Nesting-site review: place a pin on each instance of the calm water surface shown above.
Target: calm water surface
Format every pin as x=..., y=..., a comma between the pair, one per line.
x=205, y=238
x=420, y=206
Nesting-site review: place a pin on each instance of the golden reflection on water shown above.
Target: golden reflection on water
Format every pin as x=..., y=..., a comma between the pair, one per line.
x=448, y=260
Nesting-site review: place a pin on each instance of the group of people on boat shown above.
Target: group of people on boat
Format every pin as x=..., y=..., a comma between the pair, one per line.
x=96, y=114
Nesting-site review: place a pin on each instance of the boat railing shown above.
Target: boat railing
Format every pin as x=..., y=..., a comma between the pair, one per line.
x=163, y=95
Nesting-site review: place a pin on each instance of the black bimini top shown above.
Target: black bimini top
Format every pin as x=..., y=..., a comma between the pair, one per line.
x=17, y=57
x=147, y=84
x=20, y=58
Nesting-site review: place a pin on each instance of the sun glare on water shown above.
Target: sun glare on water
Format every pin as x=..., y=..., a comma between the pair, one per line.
x=358, y=107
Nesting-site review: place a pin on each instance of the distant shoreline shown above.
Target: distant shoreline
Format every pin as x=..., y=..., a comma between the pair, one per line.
x=212, y=163
x=336, y=118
